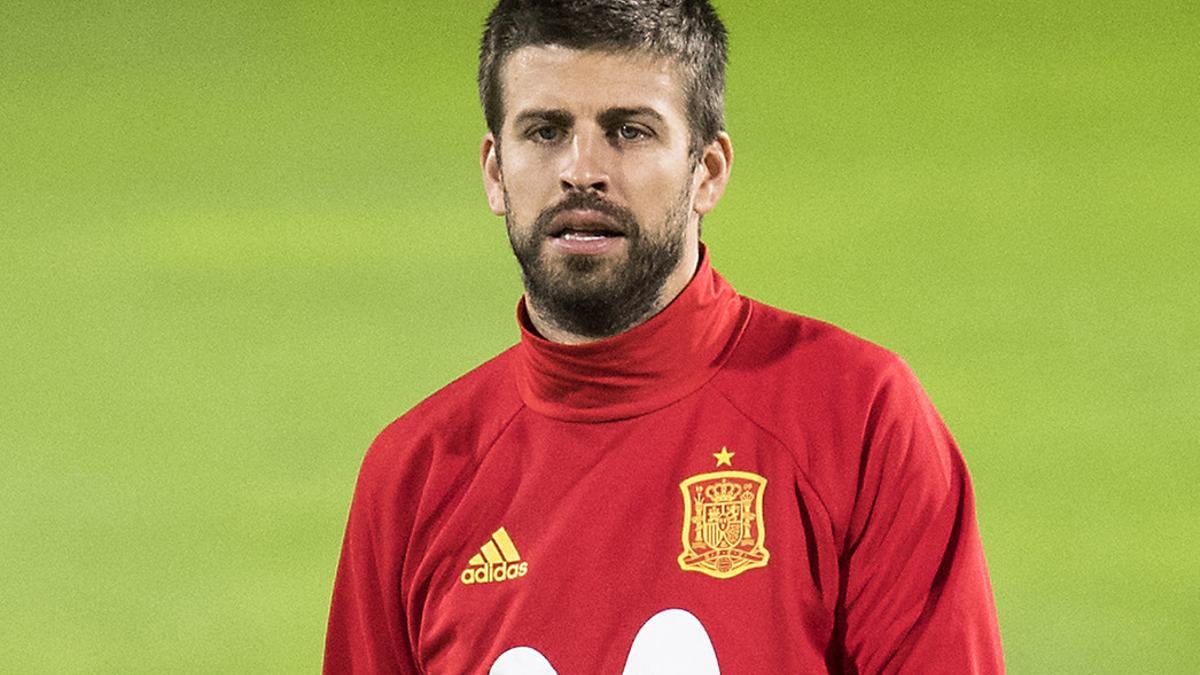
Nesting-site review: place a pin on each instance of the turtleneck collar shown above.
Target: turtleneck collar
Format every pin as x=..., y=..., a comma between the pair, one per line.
x=641, y=370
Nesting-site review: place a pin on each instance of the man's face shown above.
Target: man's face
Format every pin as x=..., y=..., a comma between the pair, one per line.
x=593, y=174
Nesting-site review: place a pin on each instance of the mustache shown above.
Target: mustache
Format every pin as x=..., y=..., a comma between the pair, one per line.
x=590, y=201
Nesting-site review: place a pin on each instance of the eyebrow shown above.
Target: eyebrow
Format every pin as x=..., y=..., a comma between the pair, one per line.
x=556, y=117
x=609, y=117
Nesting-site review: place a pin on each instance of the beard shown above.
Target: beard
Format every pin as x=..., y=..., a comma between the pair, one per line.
x=599, y=296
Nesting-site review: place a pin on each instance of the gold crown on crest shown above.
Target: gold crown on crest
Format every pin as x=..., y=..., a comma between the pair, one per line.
x=723, y=491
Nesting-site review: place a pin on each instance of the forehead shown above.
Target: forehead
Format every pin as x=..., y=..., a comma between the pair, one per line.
x=590, y=80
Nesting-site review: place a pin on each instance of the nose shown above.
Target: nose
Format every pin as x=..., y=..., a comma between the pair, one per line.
x=586, y=164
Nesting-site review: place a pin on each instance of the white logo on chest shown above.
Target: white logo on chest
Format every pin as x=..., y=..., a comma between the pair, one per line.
x=672, y=642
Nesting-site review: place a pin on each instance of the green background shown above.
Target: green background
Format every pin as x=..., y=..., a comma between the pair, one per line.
x=238, y=238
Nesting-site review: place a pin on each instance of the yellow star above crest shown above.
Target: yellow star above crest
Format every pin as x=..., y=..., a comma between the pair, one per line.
x=724, y=457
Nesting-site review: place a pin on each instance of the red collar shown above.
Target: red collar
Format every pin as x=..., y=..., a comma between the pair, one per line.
x=649, y=367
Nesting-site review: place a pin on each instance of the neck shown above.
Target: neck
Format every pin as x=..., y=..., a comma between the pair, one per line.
x=643, y=369
x=672, y=287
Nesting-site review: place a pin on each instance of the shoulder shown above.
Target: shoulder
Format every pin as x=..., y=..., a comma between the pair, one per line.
x=809, y=357
x=839, y=403
x=813, y=384
x=450, y=427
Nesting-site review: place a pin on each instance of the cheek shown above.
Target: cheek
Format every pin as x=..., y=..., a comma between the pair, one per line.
x=656, y=187
x=528, y=186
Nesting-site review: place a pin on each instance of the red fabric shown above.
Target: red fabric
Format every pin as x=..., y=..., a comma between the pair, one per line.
x=640, y=371
x=579, y=453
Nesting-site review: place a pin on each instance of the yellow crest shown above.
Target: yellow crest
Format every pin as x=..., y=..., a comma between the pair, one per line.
x=723, y=528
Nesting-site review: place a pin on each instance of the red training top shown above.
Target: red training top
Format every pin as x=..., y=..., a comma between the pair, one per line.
x=727, y=488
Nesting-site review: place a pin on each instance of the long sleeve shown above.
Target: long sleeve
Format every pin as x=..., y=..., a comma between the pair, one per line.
x=367, y=631
x=916, y=595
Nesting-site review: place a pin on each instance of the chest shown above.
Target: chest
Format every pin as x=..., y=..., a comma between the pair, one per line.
x=688, y=537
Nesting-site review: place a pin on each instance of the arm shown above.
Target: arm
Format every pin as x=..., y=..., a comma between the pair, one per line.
x=368, y=631
x=916, y=595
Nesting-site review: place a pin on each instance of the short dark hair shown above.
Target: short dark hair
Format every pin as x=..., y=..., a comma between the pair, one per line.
x=686, y=31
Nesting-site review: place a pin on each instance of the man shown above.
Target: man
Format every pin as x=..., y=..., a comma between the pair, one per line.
x=662, y=476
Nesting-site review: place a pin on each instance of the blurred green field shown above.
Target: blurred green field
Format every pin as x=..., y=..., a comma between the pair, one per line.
x=237, y=239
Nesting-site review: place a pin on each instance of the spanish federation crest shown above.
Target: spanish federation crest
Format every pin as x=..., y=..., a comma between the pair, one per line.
x=723, y=528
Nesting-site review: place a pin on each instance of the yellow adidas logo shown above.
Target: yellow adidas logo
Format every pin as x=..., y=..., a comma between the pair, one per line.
x=498, y=560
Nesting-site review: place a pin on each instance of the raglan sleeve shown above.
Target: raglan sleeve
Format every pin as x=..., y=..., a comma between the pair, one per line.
x=368, y=631
x=916, y=597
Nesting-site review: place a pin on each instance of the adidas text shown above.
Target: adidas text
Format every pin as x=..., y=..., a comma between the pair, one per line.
x=494, y=572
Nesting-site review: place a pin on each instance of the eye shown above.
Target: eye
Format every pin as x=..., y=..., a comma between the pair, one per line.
x=630, y=132
x=545, y=134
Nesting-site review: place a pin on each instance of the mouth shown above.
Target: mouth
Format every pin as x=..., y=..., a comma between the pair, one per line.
x=584, y=225
x=586, y=232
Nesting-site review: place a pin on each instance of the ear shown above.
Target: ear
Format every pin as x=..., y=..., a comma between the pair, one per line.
x=493, y=181
x=712, y=173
